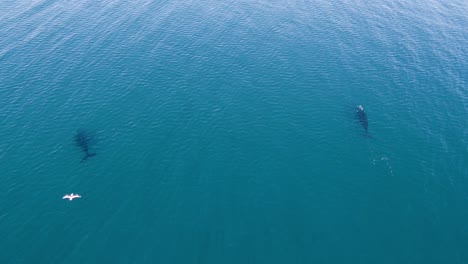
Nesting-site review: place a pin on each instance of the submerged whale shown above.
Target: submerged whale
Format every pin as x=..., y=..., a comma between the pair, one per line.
x=83, y=140
x=362, y=116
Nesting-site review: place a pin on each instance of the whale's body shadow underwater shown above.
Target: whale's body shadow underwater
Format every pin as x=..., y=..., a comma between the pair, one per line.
x=85, y=140
x=362, y=117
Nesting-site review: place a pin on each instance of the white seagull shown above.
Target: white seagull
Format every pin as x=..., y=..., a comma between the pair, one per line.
x=71, y=196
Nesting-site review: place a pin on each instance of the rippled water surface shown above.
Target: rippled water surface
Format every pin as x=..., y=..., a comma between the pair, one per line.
x=226, y=131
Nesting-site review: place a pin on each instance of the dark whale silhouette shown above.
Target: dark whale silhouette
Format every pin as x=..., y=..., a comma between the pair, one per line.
x=363, y=119
x=83, y=140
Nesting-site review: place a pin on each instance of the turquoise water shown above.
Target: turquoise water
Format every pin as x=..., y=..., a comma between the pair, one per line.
x=225, y=131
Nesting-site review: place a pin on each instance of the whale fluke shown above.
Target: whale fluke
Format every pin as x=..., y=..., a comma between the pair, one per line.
x=88, y=155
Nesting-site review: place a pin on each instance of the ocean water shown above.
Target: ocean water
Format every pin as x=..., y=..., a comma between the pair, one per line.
x=226, y=131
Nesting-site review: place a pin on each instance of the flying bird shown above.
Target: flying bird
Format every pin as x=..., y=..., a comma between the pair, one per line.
x=71, y=196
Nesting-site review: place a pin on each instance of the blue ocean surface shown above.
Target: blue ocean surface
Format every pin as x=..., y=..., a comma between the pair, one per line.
x=226, y=131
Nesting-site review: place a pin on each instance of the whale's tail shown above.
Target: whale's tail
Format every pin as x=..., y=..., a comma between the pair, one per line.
x=88, y=155
x=367, y=135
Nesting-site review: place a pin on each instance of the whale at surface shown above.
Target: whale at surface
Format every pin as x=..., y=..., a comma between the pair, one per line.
x=362, y=116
